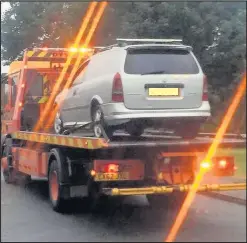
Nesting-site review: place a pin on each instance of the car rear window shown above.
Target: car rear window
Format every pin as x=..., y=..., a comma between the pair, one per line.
x=170, y=61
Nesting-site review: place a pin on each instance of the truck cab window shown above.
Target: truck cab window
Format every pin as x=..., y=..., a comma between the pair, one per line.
x=14, y=89
x=4, y=92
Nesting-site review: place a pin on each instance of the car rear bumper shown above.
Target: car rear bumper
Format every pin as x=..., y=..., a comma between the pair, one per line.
x=117, y=113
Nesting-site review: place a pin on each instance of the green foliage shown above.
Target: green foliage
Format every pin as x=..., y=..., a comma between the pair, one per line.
x=32, y=24
x=215, y=30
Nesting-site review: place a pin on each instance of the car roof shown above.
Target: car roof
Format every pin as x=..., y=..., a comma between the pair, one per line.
x=139, y=46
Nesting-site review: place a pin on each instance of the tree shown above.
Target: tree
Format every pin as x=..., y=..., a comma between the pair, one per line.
x=215, y=30
x=33, y=24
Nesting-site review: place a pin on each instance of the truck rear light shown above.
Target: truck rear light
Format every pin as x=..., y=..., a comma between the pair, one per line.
x=93, y=173
x=111, y=168
x=73, y=49
x=206, y=165
x=205, y=89
x=224, y=166
x=117, y=89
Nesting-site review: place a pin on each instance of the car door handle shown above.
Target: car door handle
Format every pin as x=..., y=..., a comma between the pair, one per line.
x=74, y=92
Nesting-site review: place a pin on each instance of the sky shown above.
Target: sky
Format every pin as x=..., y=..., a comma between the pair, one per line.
x=4, y=7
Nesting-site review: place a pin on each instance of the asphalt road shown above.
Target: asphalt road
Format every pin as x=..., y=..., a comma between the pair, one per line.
x=27, y=217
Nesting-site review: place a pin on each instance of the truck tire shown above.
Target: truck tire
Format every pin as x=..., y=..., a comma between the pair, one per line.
x=55, y=190
x=8, y=173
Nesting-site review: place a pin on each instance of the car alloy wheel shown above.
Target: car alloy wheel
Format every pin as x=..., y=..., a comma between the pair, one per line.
x=58, y=124
x=97, y=122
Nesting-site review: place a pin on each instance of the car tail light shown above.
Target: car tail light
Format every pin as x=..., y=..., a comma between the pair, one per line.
x=111, y=168
x=205, y=89
x=117, y=89
x=224, y=166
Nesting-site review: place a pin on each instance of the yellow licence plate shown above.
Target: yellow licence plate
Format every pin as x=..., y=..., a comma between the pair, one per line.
x=112, y=176
x=163, y=92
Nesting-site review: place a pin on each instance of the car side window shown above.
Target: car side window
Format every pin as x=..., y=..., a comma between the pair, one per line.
x=79, y=76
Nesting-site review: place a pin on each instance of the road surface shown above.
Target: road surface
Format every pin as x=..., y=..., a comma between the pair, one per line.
x=27, y=217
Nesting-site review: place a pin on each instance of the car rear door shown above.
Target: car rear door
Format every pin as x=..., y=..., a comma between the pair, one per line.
x=162, y=78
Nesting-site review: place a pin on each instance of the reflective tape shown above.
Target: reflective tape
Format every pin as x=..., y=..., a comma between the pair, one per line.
x=63, y=140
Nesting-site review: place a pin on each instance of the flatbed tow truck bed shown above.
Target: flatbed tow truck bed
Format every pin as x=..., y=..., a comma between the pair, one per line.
x=78, y=165
x=92, y=167
x=122, y=140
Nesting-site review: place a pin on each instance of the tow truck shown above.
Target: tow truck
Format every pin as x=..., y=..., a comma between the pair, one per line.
x=76, y=165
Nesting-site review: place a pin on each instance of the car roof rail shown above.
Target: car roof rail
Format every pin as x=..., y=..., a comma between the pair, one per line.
x=122, y=41
x=103, y=48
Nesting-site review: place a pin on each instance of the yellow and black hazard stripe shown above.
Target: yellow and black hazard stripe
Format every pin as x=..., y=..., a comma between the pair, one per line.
x=43, y=99
x=36, y=99
x=63, y=140
x=42, y=54
x=46, y=93
x=45, y=54
x=46, y=90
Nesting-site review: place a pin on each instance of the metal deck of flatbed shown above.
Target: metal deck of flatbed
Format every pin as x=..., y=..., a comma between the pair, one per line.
x=176, y=142
x=123, y=141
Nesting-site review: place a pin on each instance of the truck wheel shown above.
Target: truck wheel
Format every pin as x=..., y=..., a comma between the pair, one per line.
x=9, y=176
x=98, y=123
x=8, y=173
x=55, y=190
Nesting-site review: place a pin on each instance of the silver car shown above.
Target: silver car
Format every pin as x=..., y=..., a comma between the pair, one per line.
x=136, y=86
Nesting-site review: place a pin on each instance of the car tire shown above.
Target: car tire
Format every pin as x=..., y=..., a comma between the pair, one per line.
x=188, y=131
x=58, y=124
x=99, y=123
x=134, y=130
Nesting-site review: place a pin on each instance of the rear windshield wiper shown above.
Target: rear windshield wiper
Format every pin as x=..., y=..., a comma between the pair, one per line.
x=155, y=72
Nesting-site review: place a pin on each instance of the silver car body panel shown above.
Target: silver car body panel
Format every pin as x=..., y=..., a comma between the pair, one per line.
x=95, y=84
x=117, y=113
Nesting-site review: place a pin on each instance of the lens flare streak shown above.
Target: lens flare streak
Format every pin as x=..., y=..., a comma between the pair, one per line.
x=211, y=152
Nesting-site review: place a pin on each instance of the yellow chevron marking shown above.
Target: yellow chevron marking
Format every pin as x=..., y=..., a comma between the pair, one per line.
x=43, y=100
x=90, y=145
x=71, y=141
x=55, y=140
x=45, y=79
x=30, y=53
x=79, y=142
x=42, y=138
x=42, y=54
x=48, y=139
x=63, y=141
